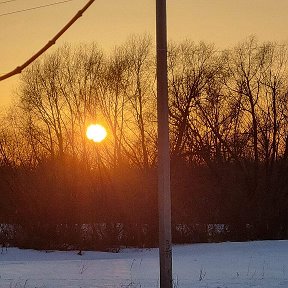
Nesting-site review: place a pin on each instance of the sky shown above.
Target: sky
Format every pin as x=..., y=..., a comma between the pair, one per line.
x=111, y=22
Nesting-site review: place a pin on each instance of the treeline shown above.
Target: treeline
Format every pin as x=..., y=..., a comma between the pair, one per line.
x=228, y=141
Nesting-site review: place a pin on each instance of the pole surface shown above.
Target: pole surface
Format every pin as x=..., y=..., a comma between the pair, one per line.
x=164, y=195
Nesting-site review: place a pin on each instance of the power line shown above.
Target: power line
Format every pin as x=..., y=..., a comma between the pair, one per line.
x=32, y=8
x=4, y=2
x=19, y=69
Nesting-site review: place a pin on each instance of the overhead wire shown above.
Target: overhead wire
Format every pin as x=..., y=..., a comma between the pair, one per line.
x=7, y=1
x=33, y=8
x=19, y=69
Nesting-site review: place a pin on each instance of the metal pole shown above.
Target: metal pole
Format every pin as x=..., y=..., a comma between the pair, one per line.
x=164, y=197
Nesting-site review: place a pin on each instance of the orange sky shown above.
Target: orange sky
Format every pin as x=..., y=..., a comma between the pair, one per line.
x=110, y=22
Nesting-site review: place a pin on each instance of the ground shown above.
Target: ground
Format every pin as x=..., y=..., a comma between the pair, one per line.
x=223, y=265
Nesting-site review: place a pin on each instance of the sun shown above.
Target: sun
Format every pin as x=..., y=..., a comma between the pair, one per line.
x=96, y=132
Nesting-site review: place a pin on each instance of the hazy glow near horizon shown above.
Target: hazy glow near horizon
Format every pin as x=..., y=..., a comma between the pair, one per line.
x=96, y=133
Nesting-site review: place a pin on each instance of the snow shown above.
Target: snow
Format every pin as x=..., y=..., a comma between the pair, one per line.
x=223, y=265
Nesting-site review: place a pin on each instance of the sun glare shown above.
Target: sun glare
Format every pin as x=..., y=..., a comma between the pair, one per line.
x=96, y=132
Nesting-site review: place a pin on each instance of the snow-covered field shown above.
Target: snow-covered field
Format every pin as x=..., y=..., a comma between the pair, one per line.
x=252, y=264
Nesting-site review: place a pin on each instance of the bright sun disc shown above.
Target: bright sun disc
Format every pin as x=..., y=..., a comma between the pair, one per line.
x=96, y=132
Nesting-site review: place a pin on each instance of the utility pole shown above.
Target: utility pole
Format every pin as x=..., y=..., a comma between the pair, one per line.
x=164, y=194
